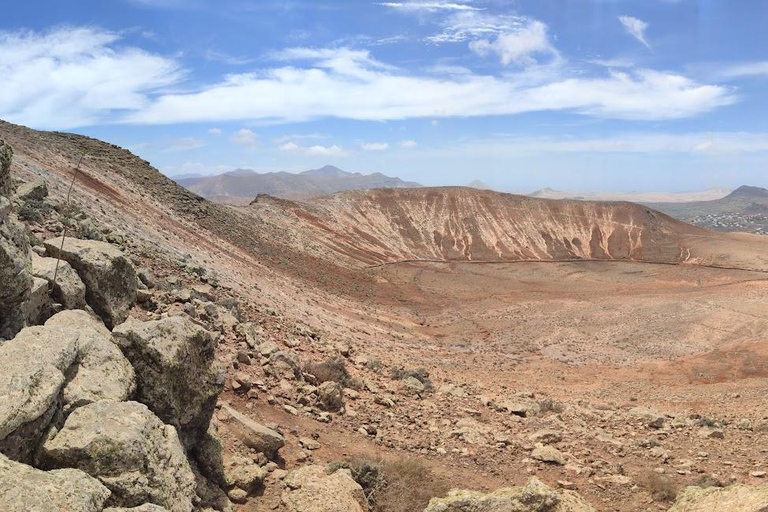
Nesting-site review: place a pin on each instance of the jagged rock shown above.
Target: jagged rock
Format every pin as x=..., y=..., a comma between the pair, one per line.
x=533, y=497
x=33, y=191
x=69, y=289
x=330, y=396
x=546, y=437
x=251, y=333
x=109, y=277
x=283, y=364
x=129, y=450
x=176, y=374
x=33, y=365
x=524, y=407
x=208, y=453
x=26, y=489
x=38, y=306
x=253, y=434
x=312, y=489
x=734, y=498
x=147, y=507
x=15, y=259
x=103, y=372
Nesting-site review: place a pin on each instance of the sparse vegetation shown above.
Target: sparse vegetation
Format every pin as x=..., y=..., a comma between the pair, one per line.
x=34, y=211
x=661, y=487
x=403, y=485
x=332, y=369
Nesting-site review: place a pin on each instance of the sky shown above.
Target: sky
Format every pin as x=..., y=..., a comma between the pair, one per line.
x=604, y=95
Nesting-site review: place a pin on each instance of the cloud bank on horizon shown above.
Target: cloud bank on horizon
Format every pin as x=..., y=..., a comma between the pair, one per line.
x=400, y=86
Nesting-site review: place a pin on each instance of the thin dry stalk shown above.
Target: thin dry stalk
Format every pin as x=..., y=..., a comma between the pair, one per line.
x=64, y=233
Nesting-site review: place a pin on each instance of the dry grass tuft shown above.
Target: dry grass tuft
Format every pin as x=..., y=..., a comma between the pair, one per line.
x=661, y=487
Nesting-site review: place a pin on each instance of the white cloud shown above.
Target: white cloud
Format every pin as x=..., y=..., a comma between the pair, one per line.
x=471, y=25
x=183, y=144
x=317, y=150
x=74, y=77
x=374, y=146
x=706, y=143
x=355, y=86
x=409, y=143
x=244, y=137
x=419, y=6
x=744, y=69
x=518, y=47
x=214, y=131
x=636, y=28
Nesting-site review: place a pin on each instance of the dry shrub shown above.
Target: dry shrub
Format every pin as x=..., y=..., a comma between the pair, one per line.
x=420, y=374
x=404, y=485
x=661, y=487
x=332, y=369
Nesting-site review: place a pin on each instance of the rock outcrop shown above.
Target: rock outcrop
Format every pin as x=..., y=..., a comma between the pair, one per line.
x=109, y=277
x=129, y=450
x=177, y=376
x=15, y=259
x=102, y=372
x=533, y=497
x=68, y=289
x=734, y=498
x=313, y=489
x=26, y=489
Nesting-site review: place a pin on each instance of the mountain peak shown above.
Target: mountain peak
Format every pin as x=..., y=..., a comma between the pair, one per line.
x=749, y=191
x=327, y=171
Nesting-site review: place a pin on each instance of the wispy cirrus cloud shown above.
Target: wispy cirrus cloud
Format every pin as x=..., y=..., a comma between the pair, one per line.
x=636, y=28
x=520, y=46
x=434, y=6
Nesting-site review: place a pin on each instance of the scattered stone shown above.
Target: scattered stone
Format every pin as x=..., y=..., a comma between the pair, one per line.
x=330, y=396
x=649, y=417
x=546, y=437
x=309, y=444
x=253, y=434
x=412, y=386
x=110, y=280
x=548, y=454
x=711, y=433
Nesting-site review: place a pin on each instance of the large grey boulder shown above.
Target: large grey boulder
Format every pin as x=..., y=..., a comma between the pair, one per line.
x=15, y=262
x=129, y=449
x=102, y=371
x=26, y=489
x=32, y=191
x=177, y=376
x=535, y=496
x=34, y=364
x=109, y=277
x=252, y=434
x=313, y=489
x=69, y=289
x=147, y=507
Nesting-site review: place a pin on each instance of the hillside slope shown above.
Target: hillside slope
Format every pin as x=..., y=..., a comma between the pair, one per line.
x=453, y=223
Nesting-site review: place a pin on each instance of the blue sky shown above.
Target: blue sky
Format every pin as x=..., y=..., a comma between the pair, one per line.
x=643, y=95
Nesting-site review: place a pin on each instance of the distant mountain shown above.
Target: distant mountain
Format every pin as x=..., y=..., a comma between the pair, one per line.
x=242, y=185
x=635, y=197
x=187, y=176
x=479, y=185
x=744, y=209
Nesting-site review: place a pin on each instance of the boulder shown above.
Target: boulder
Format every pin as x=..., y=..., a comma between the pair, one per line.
x=252, y=434
x=32, y=191
x=69, y=289
x=208, y=453
x=243, y=473
x=37, y=307
x=313, y=489
x=129, y=450
x=26, y=489
x=649, y=417
x=177, y=376
x=15, y=259
x=102, y=371
x=548, y=454
x=533, y=497
x=734, y=498
x=109, y=277
x=330, y=396
x=412, y=386
x=34, y=365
